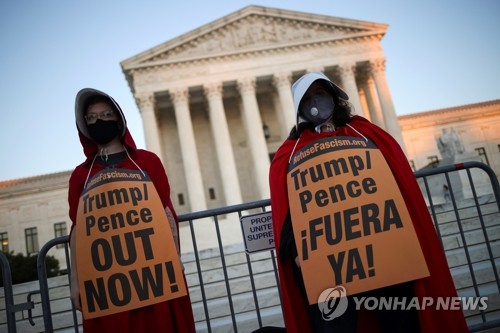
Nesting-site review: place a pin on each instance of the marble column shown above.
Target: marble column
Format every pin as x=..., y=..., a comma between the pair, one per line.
x=223, y=146
x=364, y=104
x=390, y=119
x=347, y=73
x=377, y=116
x=255, y=136
x=283, y=85
x=192, y=171
x=146, y=103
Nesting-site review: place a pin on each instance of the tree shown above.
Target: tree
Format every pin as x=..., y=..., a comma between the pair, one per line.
x=23, y=268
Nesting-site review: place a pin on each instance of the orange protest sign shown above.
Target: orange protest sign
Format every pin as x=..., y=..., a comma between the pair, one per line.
x=126, y=255
x=349, y=219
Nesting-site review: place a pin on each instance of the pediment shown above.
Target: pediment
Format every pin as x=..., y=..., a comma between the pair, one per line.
x=252, y=29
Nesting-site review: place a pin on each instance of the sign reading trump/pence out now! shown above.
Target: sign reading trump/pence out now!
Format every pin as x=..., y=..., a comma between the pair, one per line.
x=126, y=255
x=349, y=219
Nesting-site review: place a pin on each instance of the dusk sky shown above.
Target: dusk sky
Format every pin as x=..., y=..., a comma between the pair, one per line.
x=440, y=54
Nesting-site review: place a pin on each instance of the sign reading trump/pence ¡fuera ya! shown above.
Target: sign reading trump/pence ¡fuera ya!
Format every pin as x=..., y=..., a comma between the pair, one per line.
x=126, y=255
x=349, y=219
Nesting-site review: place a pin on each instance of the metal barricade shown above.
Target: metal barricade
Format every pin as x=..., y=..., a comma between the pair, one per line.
x=468, y=225
x=8, y=294
x=238, y=292
x=217, y=276
x=10, y=307
x=44, y=287
x=246, y=312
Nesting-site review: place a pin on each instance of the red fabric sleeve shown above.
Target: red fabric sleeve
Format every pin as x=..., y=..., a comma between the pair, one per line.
x=293, y=304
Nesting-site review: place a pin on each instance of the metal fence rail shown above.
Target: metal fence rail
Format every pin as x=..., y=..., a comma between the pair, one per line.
x=239, y=292
x=472, y=225
x=8, y=294
x=10, y=307
x=215, y=214
x=44, y=287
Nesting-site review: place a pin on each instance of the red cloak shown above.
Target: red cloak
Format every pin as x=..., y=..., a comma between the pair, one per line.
x=175, y=315
x=438, y=284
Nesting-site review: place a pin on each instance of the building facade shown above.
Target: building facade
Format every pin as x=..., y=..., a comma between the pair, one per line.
x=216, y=104
x=33, y=211
x=473, y=129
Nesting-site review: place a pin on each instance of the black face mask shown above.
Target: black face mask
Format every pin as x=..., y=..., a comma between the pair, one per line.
x=102, y=132
x=319, y=109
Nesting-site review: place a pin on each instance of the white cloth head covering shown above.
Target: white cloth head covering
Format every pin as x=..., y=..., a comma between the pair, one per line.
x=300, y=87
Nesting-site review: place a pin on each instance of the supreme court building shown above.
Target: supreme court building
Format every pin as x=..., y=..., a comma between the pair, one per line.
x=216, y=102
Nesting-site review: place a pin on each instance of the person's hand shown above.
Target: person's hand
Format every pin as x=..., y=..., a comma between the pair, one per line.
x=75, y=296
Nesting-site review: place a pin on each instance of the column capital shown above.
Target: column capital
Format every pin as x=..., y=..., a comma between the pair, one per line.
x=213, y=90
x=282, y=80
x=247, y=85
x=364, y=72
x=179, y=95
x=377, y=65
x=347, y=69
x=145, y=100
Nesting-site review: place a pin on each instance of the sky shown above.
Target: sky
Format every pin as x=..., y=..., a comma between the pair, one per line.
x=440, y=54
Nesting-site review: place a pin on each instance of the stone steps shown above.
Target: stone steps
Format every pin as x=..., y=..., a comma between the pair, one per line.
x=240, y=286
x=483, y=273
x=246, y=322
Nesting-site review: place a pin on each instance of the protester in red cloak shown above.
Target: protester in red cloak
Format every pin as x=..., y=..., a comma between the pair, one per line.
x=109, y=144
x=307, y=92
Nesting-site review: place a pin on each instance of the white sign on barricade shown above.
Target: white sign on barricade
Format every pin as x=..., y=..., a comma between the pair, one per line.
x=258, y=232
